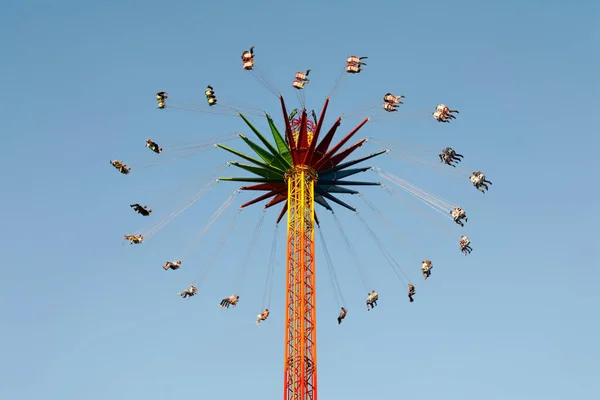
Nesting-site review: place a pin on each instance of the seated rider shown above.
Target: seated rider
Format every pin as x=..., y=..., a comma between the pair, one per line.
x=446, y=111
x=459, y=214
x=411, y=292
x=450, y=155
x=301, y=79
x=354, y=64
x=465, y=245
x=479, y=181
x=390, y=107
x=231, y=300
x=479, y=185
x=172, y=265
x=134, y=239
x=153, y=146
x=342, y=315
x=372, y=300
x=390, y=98
x=192, y=291
x=210, y=96
x=121, y=167
x=160, y=98
x=426, y=268
x=262, y=316
x=248, y=59
x=141, y=210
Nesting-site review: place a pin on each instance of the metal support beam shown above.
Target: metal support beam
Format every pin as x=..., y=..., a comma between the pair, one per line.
x=300, y=370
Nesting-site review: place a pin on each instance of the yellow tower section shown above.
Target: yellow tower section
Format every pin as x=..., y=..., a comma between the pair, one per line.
x=301, y=336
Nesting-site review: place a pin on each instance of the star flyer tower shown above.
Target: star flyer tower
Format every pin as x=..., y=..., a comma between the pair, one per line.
x=300, y=170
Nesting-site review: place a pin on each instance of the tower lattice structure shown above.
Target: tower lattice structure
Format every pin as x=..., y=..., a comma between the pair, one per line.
x=300, y=371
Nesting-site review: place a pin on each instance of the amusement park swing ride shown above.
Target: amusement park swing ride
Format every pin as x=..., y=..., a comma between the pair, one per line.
x=300, y=169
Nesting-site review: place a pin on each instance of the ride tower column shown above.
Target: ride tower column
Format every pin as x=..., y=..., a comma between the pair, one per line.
x=295, y=169
x=300, y=371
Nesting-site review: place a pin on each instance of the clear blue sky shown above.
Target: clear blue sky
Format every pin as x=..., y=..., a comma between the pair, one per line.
x=86, y=317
